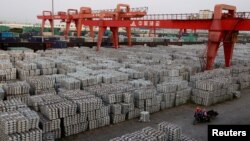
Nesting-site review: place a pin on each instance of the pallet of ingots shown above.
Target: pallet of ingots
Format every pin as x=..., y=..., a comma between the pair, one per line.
x=7, y=71
x=209, y=75
x=173, y=93
x=40, y=83
x=11, y=105
x=86, y=79
x=102, y=89
x=59, y=110
x=32, y=117
x=116, y=113
x=145, y=116
x=71, y=84
x=36, y=101
x=133, y=74
x=29, y=56
x=212, y=91
x=19, y=124
x=241, y=76
x=238, y=70
x=146, y=100
x=183, y=96
x=26, y=69
x=64, y=68
x=58, y=78
x=155, y=74
x=50, y=127
x=147, y=133
x=4, y=56
x=111, y=76
x=32, y=135
x=18, y=90
x=89, y=106
x=172, y=131
x=47, y=67
x=244, y=81
x=141, y=83
x=186, y=138
x=15, y=55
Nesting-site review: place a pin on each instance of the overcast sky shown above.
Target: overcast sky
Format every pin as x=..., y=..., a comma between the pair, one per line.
x=26, y=10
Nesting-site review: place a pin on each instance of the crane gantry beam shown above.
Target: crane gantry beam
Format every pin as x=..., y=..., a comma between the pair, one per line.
x=222, y=27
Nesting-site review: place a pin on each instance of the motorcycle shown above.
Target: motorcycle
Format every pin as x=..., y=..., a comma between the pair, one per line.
x=201, y=117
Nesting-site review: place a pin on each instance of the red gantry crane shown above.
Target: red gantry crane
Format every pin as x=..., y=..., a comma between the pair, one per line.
x=223, y=26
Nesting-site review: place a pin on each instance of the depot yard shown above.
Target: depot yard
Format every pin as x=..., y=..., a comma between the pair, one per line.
x=78, y=93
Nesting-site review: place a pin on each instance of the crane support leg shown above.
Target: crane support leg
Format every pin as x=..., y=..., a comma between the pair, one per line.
x=100, y=35
x=228, y=47
x=129, y=36
x=115, y=36
x=79, y=27
x=51, y=25
x=43, y=25
x=217, y=35
x=66, y=33
x=92, y=34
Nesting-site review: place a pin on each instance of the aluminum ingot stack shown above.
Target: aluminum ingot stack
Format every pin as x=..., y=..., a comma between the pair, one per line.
x=50, y=128
x=91, y=112
x=146, y=100
x=20, y=123
x=145, y=116
x=26, y=69
x=15, y=55
x=241, y=76
x=165, y=132
x=133, y=74
x=70, y=84
x=53, y=109
x=174, y=93
x=7, y=71
x=40, y=84
x=47, y=67
x=119, y=97
x=64, y=68
x=17, y=90
x=11, y=105
x=212, y=87
x=172, y=131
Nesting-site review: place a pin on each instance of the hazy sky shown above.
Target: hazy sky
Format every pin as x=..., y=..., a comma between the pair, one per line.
x=26, y=10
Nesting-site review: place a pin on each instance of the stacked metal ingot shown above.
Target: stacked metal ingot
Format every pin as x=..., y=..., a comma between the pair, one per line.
x=46, y=66
x=18, y=90
x=91, y=113
x=145, y=116
x=26, y=69
x=18, y=123
x=172, y=131
x=7, y=71
x=50, y=127
x=146, y=100
x=39, y=84
x=174, y=93
x=133, y=74
x=11, y=105
x=165, y=132
x=241, y=76
x=186, y=138
x=71, y=84
x=212, y=87
x=15, y=55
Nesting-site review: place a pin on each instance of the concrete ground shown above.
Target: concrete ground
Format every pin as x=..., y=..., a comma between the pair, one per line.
x=230, y=112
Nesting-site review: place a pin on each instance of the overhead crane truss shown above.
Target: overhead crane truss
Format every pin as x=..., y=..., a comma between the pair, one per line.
x=223, y=27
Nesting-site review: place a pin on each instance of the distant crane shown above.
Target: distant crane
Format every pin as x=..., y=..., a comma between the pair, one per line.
x=222, y=27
